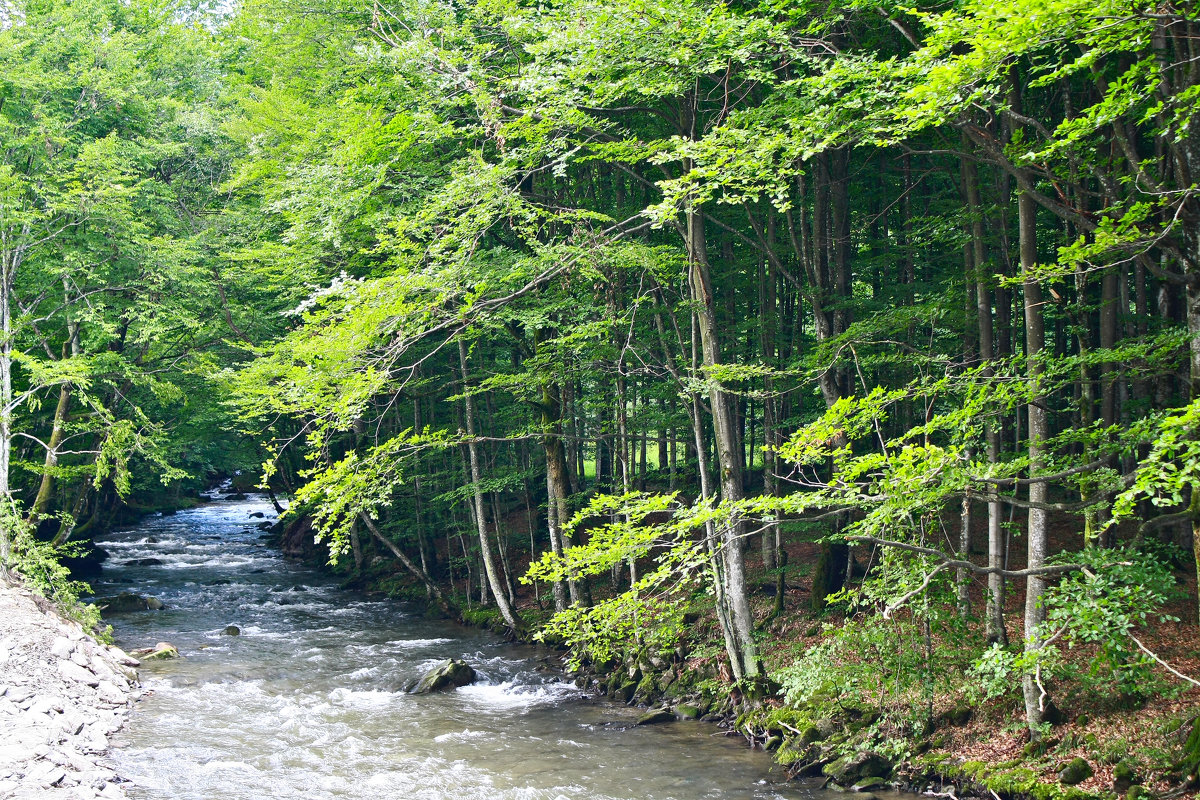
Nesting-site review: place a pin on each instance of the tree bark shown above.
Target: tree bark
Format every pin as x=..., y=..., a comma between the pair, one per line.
x=1036, y=535
x=489, y=566
x=745, y=660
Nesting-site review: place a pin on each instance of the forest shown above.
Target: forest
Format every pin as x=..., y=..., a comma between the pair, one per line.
x=838, y=360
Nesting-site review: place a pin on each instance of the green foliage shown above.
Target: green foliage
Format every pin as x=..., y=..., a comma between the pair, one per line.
x=40, y=564
x=1098, y=607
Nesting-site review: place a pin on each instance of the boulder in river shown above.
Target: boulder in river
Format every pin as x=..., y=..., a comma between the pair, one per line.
x=448, y=675
x=142, y=562
x=656, y=717
x=232, y=630
x=160, y=652
x=257, y=515
x=129, y=601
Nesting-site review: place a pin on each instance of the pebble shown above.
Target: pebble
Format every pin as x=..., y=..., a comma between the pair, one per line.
x=61, y=697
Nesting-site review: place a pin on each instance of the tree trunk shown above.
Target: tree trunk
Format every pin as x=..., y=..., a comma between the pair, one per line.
x=489, y=566
x=1036, y=535
x=994, y=610
x=745, y=659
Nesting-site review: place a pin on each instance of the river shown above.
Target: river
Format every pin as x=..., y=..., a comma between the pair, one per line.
x=308, y=701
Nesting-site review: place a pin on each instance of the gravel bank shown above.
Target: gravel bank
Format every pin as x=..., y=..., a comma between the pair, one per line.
x=62, y=694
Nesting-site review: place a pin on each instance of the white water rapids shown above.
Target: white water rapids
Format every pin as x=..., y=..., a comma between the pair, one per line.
x=308, y=701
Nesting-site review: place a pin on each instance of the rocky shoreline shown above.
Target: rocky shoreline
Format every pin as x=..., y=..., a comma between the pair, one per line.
x=62, y=695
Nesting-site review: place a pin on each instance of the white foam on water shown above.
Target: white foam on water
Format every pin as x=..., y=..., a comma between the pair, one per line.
x=221, y=766
x=508, y=696
x=461, y=736
x=363, y=698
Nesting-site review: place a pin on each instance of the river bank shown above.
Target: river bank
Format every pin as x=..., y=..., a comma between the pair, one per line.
x=62, y=695
x=861, y=726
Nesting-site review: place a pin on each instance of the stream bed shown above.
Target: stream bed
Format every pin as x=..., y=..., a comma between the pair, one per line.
x=308, y=701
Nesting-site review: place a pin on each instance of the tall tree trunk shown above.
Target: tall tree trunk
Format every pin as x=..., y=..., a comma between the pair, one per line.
x=1036, y=535
x=745, y=660
x=558, y=484
x=994, y=609
x=493, y=578
x=9, y=262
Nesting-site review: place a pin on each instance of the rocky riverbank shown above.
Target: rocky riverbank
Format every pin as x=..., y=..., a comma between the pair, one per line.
x=62, y=695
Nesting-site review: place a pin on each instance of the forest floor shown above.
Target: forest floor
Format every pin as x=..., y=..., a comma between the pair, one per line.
x=62, y=695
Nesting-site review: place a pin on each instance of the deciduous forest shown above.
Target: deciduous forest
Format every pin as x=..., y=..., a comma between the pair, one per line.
x=831, y=367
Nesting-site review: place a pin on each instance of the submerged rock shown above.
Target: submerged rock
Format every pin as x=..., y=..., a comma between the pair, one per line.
x=448, y=675
x=129, y=601
x=142, y=562
x=656, y=717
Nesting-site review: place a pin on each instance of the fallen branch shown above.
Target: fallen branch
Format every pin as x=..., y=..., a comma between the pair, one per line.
x=1164, y=664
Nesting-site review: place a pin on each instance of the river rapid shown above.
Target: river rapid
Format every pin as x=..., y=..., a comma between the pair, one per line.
x=308, y=701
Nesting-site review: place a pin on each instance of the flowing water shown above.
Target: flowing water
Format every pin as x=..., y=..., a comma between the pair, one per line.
x=308, y=702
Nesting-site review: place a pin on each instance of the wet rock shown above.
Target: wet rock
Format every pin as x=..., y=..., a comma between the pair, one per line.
x=235, y=496
x=656, y=717
x=232, y=630
x=448, y=675
x=160, y=652
x=686, y=711
x=142, y=562
x=1076, y=771
x=868, y=783
x=219, y=582
x=625, y=691
x=257, y=515
x=263, y=526
x=126, y=602
x=122, y=657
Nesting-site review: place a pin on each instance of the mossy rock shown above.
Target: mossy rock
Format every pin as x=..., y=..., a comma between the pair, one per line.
x=1124, y=777
x=853, y=768
x=646, y=688
x=1137, y=792
x=449, y=674
x=868, y=783
x=819, y=731
x=656, y=717
x=160, y=652
x=1075, y=772
x=958, y=716
x=688, y=711
x=625, y=691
